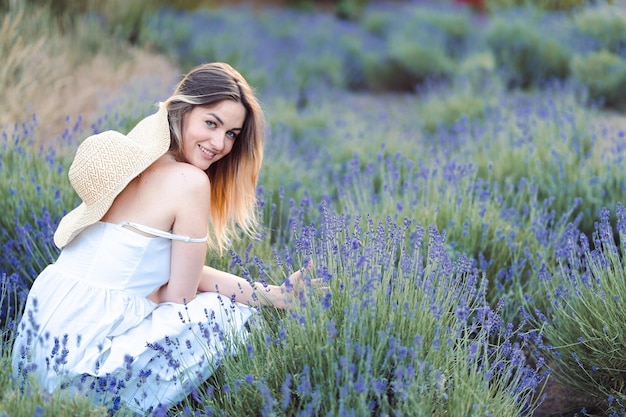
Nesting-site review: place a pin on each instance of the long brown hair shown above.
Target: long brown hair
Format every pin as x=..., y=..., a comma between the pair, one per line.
x=234, y=177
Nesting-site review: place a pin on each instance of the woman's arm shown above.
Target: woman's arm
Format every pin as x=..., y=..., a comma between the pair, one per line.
x=245, y=292
x=188, y=274
x=189, y=195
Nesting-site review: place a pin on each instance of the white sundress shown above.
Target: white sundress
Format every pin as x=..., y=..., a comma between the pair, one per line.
x=88, y=326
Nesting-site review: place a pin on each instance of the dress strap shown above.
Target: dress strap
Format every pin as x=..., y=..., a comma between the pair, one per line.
x=161, y=233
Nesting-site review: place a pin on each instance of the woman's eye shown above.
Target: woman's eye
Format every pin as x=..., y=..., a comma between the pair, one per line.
x=231, y=134
x=211, y=123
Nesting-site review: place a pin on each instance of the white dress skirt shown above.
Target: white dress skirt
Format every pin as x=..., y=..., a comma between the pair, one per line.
x=88, y=325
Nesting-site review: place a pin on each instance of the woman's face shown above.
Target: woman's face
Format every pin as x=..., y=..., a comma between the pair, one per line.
x=209, y=132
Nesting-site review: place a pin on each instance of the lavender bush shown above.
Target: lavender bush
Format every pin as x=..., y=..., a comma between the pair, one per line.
x=403, y=330
x=582, y=323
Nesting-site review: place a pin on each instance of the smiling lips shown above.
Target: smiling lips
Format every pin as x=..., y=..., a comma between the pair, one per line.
x=207, y=152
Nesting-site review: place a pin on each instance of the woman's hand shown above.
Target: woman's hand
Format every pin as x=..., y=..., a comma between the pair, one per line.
x=256, y=294
x=296, y=284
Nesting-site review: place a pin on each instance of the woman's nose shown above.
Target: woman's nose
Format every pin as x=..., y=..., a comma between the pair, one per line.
x=217, y=141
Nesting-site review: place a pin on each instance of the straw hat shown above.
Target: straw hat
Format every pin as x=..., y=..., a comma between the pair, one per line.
x=104, y=165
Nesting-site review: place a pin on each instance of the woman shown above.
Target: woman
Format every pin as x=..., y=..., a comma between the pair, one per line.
x=129, y=310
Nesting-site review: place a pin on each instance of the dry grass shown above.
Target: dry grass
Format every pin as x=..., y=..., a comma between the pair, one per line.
x=48, y=74
x=86, y=88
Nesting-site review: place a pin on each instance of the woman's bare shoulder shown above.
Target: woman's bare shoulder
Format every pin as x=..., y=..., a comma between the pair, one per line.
x=181, y=176
x=186, y=195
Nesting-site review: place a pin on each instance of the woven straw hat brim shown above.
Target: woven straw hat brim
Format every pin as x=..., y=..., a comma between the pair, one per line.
x=105, y=164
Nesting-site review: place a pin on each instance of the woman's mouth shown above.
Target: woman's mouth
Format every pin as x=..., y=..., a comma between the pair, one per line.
x=206, y=152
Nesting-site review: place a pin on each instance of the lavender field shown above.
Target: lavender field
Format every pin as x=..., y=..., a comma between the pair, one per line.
x=455, y=176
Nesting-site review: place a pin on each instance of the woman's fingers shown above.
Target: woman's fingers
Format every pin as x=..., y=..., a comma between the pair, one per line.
x=296, y=279
x=296, y=283
x=317, y=282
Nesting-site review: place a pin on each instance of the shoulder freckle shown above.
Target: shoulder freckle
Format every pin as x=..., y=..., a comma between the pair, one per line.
x=189, y=176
